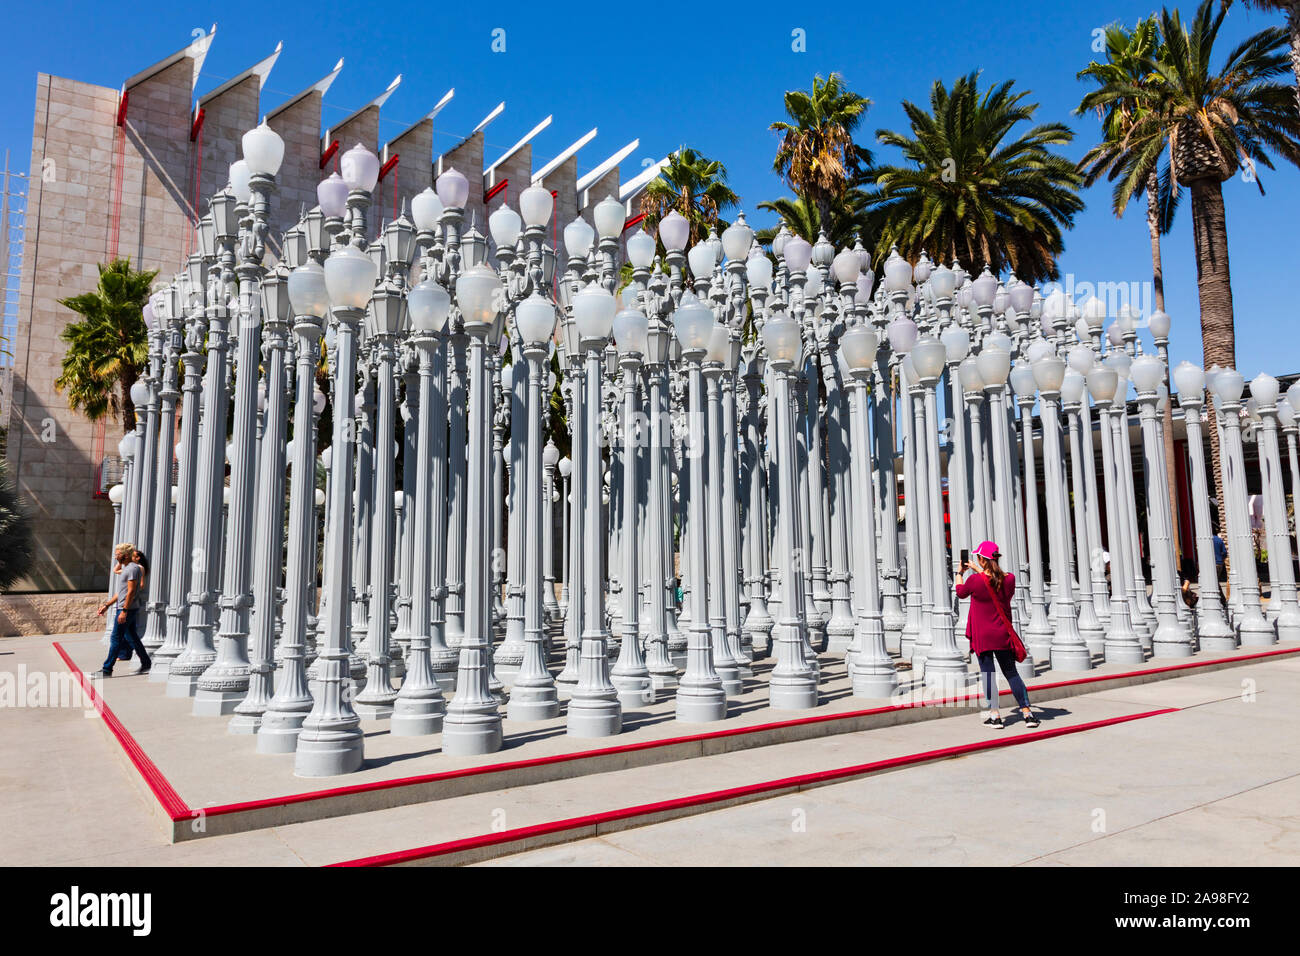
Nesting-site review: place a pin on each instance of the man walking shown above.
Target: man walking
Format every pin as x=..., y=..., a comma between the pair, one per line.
x=126, y=604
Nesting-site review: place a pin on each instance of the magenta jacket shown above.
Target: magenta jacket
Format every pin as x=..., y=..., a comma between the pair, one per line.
x=984, y=625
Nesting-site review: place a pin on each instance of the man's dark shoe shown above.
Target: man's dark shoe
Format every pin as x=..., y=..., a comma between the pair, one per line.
x=142, y=670
x=102, y=673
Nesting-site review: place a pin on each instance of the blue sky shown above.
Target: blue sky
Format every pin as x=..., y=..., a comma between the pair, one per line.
x=708, y=76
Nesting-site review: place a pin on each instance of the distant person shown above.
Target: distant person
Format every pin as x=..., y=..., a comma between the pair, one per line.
x=126, y=604
x=1220, y=559
x=988, y=626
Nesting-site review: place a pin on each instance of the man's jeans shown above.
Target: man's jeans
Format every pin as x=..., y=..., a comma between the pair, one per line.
x=126, y=635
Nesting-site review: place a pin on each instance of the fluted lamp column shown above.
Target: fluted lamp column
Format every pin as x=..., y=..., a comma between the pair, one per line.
x=1213, y=632
x=533, y=695
x=1264, y=390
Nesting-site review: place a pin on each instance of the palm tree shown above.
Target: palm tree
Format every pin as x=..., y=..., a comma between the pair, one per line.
x=109, y=346
x=817, y=156
x=1216, y=123
x=1292, y=10
x=17, y=545
x=974, y=191
x=850, y=218
x=696, y=187
x=1130, y=64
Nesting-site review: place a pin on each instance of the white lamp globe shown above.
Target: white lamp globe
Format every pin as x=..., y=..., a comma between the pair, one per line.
x=845, y=267
x=1039, y=348
x=429, y=305
x=921, y=274
x=1121, y=362
x=631, y=332
x=942, y=282
x=1146, y=373
x=426, y=210
x=994, y=365
x=1049, y=372
x=536, y=204
x=863, y=294
x=758, y=271
x=578, y=237
x=240, y=174
x=674, y=231
x=1054, y=305
x=898, y=273
x=505, y=225
x=1022, y=378
x=1285, y=413
x=350, y=277
x=593, y=310
x=736, y=239
x=535, y=317
x=1072, y=387
x=1264, y=389
x=1022, y=297
x=307, y=293
x=139, y=393
x=984, y=289
x=693, y=323
x=1102, y=382
x=360, y=168
x=550, y=454
x=701, y=260
x=1126, y=319
x=116, y=494
x=813, y=284
x=1115, y=335
x=782, y=339
x=928, y=357
x=719, y=345
x=641, y=250
x=910, y=378
x=476, y=295
x=1189, y=379
x=609, y=218
x=798, y=254
x=998, y=339
x=1082, y=359
x=126, y=447
x=858, y=347
x=263, y=150
x=452, y=188
x=332, y=194
x=1094, y=312
x=566, y=466
x=954, y=338
x=968, y=374
x=902, y=334
x=1293, y=395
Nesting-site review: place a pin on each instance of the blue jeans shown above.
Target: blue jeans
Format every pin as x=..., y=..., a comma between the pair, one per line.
x=988, y=680
x=125, y=636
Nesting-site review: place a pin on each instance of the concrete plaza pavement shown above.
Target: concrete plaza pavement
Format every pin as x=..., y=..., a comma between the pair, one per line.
x=1215, y=782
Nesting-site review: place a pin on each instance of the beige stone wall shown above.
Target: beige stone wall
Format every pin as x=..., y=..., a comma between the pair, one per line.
x=299, y=126
x=29, y=614
x=414, y=171
x=226, y=118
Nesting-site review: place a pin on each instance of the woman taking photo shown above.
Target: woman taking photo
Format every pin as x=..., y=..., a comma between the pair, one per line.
x=988, y=626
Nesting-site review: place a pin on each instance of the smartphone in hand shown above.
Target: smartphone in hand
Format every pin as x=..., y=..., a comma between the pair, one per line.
x=965, y=557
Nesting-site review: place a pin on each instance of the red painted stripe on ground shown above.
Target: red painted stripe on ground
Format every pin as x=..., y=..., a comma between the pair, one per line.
x=719, y=796
x=171, y=801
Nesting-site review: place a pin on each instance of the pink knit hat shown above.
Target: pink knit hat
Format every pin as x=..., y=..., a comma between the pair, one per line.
x=987, y=549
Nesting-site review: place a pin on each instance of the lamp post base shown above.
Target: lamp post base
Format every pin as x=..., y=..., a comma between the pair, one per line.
x=328, y=753
x=634, y=691
x=795, y=692
x=1071, y=657
x=699, y=705
x=416, y=718
x=598, y=717
x=533, y=703
x=279, y=732
x=470, y=734
x=216, y=703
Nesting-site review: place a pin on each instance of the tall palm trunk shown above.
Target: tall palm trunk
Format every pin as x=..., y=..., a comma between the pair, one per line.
x=1214, y=285
x=1158, y=285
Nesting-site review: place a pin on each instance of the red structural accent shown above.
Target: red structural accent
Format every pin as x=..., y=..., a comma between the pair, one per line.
x=179, y=810
x=491, y=193
x=119, y=160
x=634, y=221
x=197, y=125
x=330, y=150
x=720, y=796
x=385, y=169
x=170, y=800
